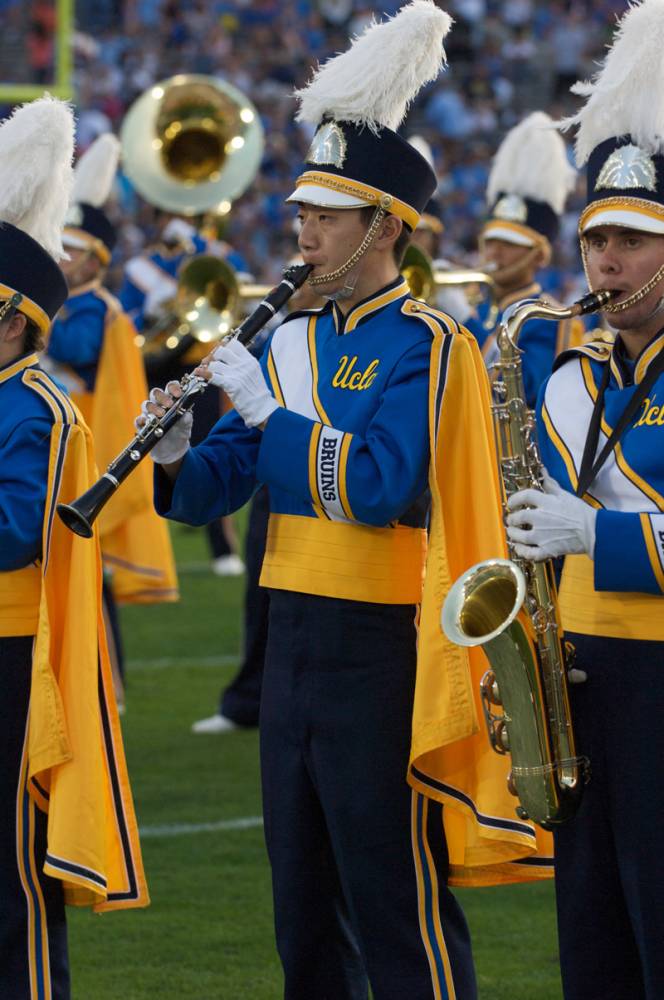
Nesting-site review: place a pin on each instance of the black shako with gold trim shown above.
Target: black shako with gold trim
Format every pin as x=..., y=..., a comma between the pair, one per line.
x=349, y=165
x=27, y=270
x=625, y=187
x=88, y=226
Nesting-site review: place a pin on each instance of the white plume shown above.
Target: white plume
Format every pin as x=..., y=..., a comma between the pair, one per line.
x=374, y=82
x=36, y=150
x=95, y=171
x=626, y=96
x=419, y=143
x=532, y=162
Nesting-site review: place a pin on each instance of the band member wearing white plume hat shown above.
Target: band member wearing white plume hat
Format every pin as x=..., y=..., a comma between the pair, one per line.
x=600, y=426
x=67, y=826
x=528, y=186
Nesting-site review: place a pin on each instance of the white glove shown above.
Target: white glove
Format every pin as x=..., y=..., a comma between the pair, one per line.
x=552, y=523
x=454, y=302
x=240, y=375
x=175, y=442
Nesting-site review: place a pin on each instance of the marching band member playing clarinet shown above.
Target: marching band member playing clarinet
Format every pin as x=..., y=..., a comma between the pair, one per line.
x=353, y=412
x=600, y=427
x=67, y=826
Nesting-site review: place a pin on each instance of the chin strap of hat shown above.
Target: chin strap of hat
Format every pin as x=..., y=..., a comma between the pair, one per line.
x=382, y=209
x=9, y=304
x=631, y=300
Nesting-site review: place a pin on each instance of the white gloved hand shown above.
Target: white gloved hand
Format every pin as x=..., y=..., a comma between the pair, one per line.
x=175, y=442
x=240, y=375
x=454, y=302
x=552, y=523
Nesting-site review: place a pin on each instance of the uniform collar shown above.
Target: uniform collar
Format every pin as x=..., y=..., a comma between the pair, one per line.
x=14, y=367
x=628, y=372
x=368, y=307
x=527, y=292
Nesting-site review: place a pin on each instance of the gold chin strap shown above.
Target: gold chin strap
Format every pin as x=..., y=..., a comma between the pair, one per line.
x=370, y=235
x=632, y=299
x=12, y=303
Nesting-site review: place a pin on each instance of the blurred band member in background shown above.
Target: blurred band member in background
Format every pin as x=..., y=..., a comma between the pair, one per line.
x=67, y=826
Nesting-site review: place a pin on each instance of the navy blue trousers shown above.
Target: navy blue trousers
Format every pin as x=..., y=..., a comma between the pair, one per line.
x=240, y=701
x=33, y=932
x=609, y=867
x=359, y=861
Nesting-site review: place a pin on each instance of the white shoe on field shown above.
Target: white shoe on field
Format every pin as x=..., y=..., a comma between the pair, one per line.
x=230, y=565
x=214, y=724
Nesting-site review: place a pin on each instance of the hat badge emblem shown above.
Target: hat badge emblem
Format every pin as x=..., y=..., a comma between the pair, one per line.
x=511, y=208
x=328, y=146
x=628, y=167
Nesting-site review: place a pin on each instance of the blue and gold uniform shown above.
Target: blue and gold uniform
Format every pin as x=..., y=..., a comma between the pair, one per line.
x=612, y=610
x=68, y=832
x=347, y=461
x=540, y=340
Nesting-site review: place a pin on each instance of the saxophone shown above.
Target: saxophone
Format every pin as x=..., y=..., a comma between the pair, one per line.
x=509, y=606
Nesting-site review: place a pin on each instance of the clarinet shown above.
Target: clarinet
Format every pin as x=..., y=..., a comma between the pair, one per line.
x=80, y=515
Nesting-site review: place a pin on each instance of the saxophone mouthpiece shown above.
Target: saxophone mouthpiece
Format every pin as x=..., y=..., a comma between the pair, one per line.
x=594, y=301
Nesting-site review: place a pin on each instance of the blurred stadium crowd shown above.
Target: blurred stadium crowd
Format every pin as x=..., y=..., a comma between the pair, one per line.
x=506, y=57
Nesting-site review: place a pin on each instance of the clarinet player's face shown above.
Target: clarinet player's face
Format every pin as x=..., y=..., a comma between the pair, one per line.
x=328, y=237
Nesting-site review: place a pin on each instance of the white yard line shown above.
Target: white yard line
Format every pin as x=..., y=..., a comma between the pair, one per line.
x=185, y=829
x=165, y=662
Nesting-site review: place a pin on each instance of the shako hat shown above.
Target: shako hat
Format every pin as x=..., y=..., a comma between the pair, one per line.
x=620, y=136
x=36, y=150
x=529, y=181
x=357, y=100
x=87, y=225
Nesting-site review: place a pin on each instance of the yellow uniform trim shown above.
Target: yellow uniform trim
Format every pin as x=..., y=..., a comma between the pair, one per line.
x=343, y=465
x=621, y=461
x=646, y=528
x=274, y=379
x=18, y=366
x=369, y=307
x=311, y=342
x=560, y=447
x=648, y=355
x=91, y=243
x=28, y=306
x=623, y=615
x=421, y=894
x=366, y=192
x=350, y=561
x=313, y=479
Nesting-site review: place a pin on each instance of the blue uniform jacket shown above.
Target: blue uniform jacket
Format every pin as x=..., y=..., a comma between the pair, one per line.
x=25, y=441
x=77, y=334
x=629, y=489
x=540, y=340
x=352, y=444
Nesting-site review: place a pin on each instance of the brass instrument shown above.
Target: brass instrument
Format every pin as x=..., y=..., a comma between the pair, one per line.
x=191, y=144
x=510, y=608
x=208, y=303
x=423, y=277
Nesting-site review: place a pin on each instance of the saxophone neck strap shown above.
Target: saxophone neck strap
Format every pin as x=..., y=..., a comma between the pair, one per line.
x=591, y=463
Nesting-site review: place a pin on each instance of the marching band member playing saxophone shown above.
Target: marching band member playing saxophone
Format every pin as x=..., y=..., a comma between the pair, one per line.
x=92, y=350
x=352, y=412
x=67, y=826
x=600, y=425
x=528, y=185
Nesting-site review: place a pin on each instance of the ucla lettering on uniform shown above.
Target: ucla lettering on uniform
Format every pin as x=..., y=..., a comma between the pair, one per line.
x=346, y=378
x=652, y=416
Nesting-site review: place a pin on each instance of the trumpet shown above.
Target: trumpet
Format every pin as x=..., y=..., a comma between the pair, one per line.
x=80, y=515
x=424, y=277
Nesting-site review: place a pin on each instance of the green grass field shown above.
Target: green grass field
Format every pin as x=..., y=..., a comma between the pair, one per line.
x=208, y=933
